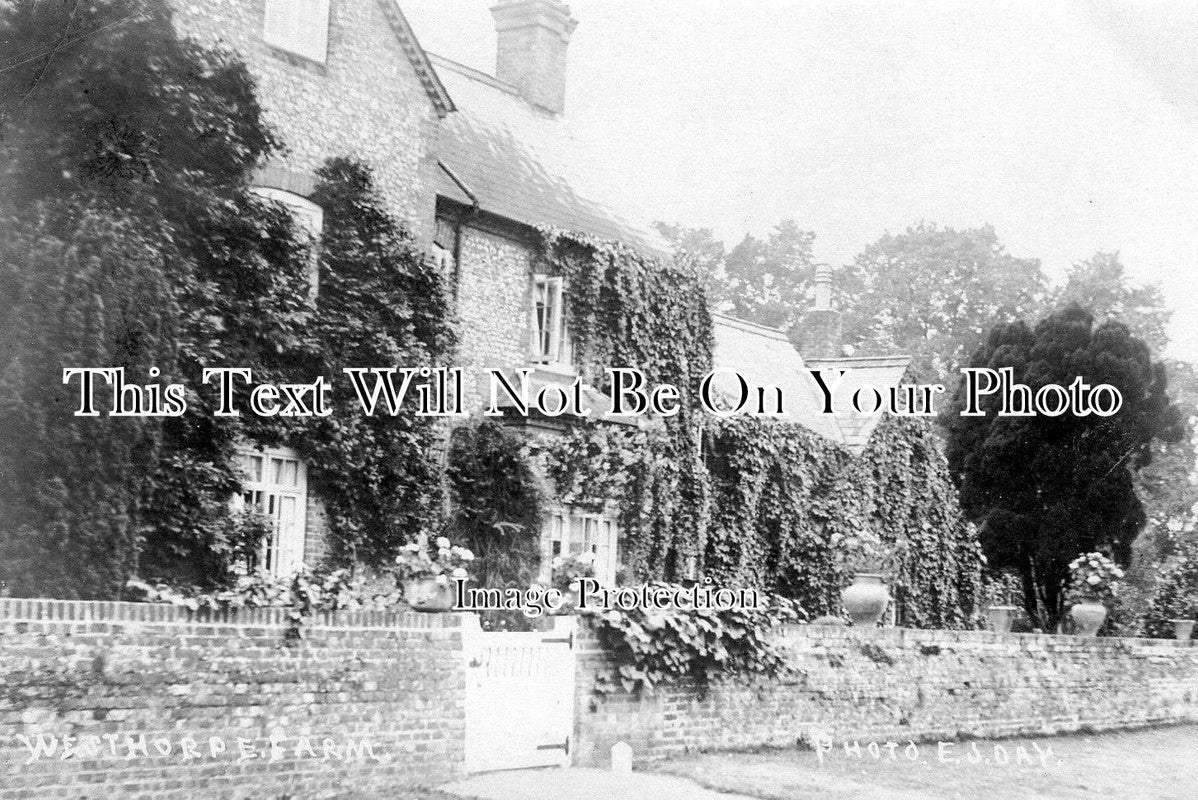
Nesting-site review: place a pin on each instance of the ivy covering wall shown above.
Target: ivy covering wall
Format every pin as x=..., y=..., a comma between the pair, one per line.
x=754, y=502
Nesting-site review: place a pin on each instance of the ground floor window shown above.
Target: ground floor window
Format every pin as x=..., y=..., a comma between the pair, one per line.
x=571, y=533
x=276, y=484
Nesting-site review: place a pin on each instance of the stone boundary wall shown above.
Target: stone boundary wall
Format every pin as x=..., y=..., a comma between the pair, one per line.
x=890, y=684
x=153, y=701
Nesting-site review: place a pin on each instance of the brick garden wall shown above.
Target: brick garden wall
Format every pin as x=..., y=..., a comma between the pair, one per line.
x=101, y=672
x=900, y=685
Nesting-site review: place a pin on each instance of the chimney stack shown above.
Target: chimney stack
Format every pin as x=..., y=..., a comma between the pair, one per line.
x=818, y=334
x=533, y=35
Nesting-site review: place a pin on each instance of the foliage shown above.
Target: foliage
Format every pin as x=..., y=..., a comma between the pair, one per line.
x=1176, y=594
x=651, y=647
x=787, y=507
x=131, y=239
x=932, y=292
x=1043, y=489
x=498, y=500
x=418, y=562
x=303, y=595
x=1093, y=575
x=1101, y=284
x=568, y=569
x=626, y=309
x=380, y=303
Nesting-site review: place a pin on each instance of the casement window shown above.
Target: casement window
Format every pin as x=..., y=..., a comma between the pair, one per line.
x=309, y=222
x=570, y=533
x=276, y=484
x=550, y=342
x=298, y=26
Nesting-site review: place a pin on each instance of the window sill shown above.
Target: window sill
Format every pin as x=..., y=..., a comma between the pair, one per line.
x=296, y=60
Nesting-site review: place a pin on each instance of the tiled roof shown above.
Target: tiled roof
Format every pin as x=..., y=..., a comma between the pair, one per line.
x=880, y=372
x=765, y=357
x=511, y=158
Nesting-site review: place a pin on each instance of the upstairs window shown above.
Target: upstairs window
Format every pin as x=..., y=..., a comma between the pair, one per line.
x=298, y=26
x=276, y=485
x=309, y=223
x=550, y=344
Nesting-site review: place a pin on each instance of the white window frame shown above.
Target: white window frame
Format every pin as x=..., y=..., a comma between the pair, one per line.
x=567, y=531
x=277, y=486
x=309, y=219
x=549, y=338
x=298, y=26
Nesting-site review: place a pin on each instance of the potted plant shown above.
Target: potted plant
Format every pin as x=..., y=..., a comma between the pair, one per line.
x=426, y=573
x=1093, y=583
x=567, y=570
x=1183, y=629
x=867, y=597
x=1000, y=612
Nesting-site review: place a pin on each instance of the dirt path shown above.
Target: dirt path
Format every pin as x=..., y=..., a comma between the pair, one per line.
x=1159, y=764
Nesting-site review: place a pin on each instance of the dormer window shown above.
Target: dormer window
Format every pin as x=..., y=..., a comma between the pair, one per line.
x=298, y=26
x=309, y=223
x=550, y=343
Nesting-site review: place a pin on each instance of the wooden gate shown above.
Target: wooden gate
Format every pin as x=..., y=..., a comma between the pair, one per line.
x=519, y=696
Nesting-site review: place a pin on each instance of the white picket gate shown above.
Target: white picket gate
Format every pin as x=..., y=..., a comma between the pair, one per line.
x=519, y=696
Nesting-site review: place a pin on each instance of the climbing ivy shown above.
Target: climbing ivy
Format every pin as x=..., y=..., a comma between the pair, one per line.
x=628, y=309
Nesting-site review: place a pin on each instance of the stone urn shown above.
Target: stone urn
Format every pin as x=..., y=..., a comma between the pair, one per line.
x=1183, y=629
x=866, y=599
x=425, y=594
x=1088, y=616
x=1001, y=617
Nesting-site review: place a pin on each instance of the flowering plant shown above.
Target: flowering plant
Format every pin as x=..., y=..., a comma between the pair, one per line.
x=1093, y=575
x=568, y=569
x=440, y=560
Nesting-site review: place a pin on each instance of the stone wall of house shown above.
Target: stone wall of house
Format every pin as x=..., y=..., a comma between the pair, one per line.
x=365, y=101
x=494, y=284
x=899, y=685
x=154, y=704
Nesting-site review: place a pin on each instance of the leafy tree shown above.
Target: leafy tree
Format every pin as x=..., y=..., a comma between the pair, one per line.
x=1101, y=284
x=933, y=292
x=1045, y=489
x=764, y=281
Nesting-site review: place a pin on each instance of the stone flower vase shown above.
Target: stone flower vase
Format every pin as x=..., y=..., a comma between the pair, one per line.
x=1183, y=629
x=1001, y=618
x=866, y=599
x=1088, y=616
x=425, y=594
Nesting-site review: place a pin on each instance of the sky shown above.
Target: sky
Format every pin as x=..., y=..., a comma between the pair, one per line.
x=1072, y=127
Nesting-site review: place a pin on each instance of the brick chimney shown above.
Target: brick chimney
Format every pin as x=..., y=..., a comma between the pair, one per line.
x=818, y=334
x=533, y=35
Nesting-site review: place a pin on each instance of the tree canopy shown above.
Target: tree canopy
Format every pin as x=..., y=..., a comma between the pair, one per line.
x=1045, y=489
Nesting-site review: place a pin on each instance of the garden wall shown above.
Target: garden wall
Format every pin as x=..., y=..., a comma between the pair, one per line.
x=160, y=705
x=900, y=685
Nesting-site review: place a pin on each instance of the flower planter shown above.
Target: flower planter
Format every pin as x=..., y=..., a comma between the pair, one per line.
x=425, y=594
x=1001, y=618
x=1088, y=616
x=866, y=599
x=1183, y=629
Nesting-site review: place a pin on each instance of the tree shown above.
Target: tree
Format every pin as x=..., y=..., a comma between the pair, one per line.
x=933, y=292
x=764, y=281
x=128, y=238
x=1101, y=284
x=1045, y=489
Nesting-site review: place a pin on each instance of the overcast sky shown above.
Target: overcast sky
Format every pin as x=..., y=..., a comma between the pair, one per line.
x=1071, y=127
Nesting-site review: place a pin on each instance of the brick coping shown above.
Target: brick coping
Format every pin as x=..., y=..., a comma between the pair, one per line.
x=99, y=611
